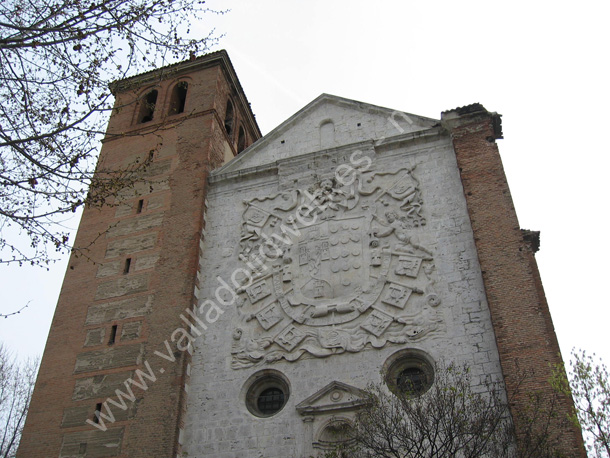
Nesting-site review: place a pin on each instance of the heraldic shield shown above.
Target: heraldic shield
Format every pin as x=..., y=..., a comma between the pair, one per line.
x=331, y=270
x=334, y=269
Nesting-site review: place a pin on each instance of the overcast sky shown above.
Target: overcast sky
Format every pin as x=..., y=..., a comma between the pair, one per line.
x=543, y=66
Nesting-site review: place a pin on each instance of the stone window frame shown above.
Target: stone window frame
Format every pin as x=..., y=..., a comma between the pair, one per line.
x=329, y=423
x=259, y=382
x=407, y=359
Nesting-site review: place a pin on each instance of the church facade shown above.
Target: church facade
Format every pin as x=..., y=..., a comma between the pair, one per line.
x=243, y=296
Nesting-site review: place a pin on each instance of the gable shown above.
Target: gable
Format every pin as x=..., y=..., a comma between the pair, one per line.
x=333, y=397
x=327, y=122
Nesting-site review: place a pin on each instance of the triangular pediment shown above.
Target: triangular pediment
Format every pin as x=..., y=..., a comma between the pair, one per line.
x=326, y=123
x=335, y=396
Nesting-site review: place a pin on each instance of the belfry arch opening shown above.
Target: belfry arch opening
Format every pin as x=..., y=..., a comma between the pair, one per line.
x=147, y=106
x=177, y=101
x=241, y=140
x=229, y=118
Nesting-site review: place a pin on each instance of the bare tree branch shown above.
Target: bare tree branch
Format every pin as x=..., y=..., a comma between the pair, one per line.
x=57, y=60
x=589, y=385
x=6, y=315
x=455, y=417
x=16, y=385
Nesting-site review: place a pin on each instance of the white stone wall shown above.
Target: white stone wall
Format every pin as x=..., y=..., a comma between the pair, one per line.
x=218, y=424
x=329, y=122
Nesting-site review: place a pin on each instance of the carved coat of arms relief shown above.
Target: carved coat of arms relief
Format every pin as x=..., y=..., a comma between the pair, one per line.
x=335, y=268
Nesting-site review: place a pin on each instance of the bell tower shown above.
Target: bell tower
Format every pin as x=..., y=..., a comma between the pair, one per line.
x=123, y=303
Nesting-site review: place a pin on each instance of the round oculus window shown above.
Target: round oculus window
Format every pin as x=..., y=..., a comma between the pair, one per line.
x=270, y=401
x=267, y=393
x=409, y=372
x=412, y=380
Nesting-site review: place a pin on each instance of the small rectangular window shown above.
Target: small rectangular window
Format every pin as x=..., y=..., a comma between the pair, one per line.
x=112, y=334
x=96, y=414
x=127, y=266
x=140, y=206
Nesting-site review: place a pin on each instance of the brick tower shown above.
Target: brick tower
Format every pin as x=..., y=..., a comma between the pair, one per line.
x=121, y=302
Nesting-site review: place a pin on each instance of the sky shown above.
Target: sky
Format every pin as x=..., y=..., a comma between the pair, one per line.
x=541, y=65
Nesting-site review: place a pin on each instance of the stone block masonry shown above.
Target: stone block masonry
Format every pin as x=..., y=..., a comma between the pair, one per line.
x=388, y=271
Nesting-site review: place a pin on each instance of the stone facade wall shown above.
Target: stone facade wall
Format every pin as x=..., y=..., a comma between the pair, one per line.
x=439, y=310
x=350, y=239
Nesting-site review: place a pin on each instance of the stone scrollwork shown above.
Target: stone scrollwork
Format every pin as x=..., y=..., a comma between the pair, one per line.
x=335, y=269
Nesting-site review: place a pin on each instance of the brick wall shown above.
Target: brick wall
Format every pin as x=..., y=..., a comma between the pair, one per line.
x=524, y=331
x=124, y=292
